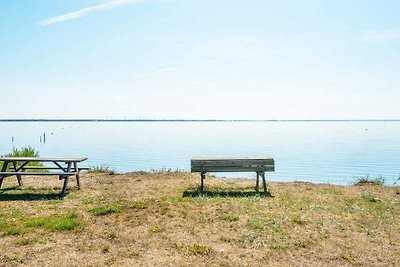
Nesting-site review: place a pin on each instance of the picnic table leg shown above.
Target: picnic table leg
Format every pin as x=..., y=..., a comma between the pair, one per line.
x=264, y=183
x=78, y=182
x=64, y=189
x=66, y=177
x=3, y=169
x=257, y=182
x=19, y=178
x=203, y=176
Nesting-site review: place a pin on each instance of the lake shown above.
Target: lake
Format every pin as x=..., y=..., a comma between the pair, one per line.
x=323, y=152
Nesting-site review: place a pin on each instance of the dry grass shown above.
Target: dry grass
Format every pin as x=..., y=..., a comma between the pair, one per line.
x=158, y=219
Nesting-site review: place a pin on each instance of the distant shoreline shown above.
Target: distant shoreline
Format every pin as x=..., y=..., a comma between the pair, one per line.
x=191, y=120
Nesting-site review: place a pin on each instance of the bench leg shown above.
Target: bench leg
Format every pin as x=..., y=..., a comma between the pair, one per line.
x=203, y=176
x=64, y=189
x=1, y=180
x=264, y=183
x=257, y=182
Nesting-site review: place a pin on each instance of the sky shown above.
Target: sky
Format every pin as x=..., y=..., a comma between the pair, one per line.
x=200, y=59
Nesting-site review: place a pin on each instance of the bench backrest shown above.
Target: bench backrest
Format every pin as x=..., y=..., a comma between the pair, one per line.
x=256, y=164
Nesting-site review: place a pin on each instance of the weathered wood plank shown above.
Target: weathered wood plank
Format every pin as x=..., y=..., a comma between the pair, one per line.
x=233, y=169
x=47, y=168
x=35, y=159
x=231, y=158
x=36, y=173
x=232, y=164
x=235, y=161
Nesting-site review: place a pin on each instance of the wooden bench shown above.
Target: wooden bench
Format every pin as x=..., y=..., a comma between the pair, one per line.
x=259, y=165
x=19, y=166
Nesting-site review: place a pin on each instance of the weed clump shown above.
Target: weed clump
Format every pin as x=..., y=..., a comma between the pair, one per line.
x=27, y=152
x=369, y=181
x=105, y=210
x=230, y=217
x=200, y=250
x=102, y=169
x=156, y=229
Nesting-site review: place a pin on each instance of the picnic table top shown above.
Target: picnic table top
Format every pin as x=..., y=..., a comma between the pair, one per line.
x=43, y=159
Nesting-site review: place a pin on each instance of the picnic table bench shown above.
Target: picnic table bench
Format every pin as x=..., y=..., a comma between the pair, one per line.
x=63, y=168
x=260, y=165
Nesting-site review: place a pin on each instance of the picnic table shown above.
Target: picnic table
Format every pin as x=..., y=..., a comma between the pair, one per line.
x=61, y=167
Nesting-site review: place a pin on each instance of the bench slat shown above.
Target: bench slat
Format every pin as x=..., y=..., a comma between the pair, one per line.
x=46, y=168
x=232, y=164
x=233, y=169
x=37, y=173
x=261, y=161
x=40, y=159
x=231, y=158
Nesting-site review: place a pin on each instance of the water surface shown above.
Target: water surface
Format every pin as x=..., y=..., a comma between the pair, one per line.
x=330, y=152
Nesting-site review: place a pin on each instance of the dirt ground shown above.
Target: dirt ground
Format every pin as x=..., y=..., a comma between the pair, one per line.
x=160, y=219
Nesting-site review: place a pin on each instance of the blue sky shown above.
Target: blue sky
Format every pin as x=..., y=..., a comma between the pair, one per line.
x=200, y=59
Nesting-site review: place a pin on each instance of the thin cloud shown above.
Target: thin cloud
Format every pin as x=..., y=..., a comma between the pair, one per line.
x=154, y=73
x=382, y=36
x=200, y=63
x=88, y=10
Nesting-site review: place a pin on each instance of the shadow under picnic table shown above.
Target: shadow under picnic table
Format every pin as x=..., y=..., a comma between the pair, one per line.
x=19, y=194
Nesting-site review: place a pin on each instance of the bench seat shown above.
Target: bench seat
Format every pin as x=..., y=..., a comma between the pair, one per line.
x=37, y=173
x=48, y=168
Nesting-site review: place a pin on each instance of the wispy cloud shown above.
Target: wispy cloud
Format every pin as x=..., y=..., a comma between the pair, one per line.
x=88, y=10
x=382, y=36
x=196, y=65
x=157, y=72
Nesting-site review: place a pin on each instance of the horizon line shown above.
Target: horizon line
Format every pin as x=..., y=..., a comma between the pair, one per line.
x=199, y=120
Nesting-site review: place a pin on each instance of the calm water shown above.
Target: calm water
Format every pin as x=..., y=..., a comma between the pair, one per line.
x=333, y=152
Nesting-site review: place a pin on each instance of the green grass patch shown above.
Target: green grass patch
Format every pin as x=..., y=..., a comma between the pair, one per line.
x=256, y=223
x=199, y=249
x=105, y=210
x=54, y=223
x=156, y=228
x=10, y=230
x=229, y=217
x=21, y=224
x=138, y=205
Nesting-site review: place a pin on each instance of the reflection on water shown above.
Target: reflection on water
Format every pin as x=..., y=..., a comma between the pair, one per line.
x=333, y=152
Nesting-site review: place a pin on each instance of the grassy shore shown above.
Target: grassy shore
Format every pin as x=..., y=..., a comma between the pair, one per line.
x=159, y=219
